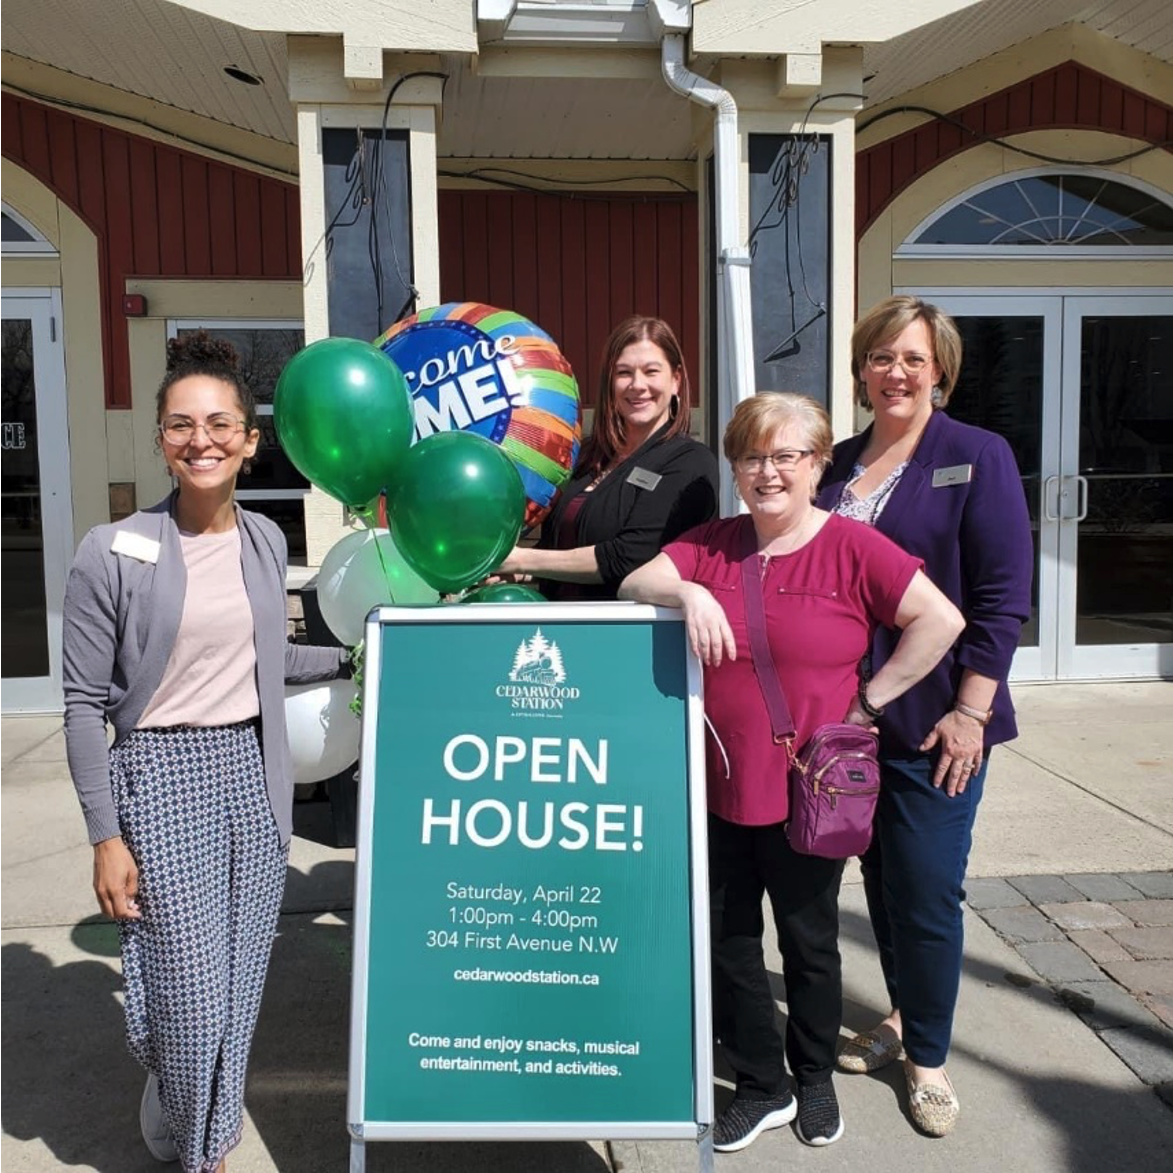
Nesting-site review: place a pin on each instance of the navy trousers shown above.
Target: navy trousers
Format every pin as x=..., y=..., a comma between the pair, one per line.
x=913, y=875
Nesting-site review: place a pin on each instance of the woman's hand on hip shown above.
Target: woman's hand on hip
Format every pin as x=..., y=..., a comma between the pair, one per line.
x=116, y=880
x=855, y=715
x=709, y=633
x=960, y=738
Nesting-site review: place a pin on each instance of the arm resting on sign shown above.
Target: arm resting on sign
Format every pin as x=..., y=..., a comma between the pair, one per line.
x=577, y=565
x=659, y=582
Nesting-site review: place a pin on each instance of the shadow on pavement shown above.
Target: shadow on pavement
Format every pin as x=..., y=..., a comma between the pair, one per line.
x=1101, y=1127
x=68, y=1080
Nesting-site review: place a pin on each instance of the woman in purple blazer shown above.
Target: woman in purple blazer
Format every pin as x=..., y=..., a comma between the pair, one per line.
x=951, y=495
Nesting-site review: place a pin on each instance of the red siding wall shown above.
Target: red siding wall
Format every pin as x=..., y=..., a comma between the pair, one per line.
x=1068, y=97
x=157, y=212
x=575, y=265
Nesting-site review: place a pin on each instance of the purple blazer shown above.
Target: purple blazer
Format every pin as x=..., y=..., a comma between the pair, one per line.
x=975, y=540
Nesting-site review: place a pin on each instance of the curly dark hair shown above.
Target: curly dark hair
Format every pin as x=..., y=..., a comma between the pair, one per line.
x=201, y=354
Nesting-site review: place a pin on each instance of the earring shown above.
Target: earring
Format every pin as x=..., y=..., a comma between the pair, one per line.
x=674, y=407
x=936, y=397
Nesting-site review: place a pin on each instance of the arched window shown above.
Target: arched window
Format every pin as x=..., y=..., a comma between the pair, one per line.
x=18, y=236
x=1047, y=213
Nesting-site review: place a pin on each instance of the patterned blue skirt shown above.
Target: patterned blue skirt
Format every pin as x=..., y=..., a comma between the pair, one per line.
x=195, y=815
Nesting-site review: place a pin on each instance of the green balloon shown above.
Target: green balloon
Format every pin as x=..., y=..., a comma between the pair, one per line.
x=343, y=414
x=505, y=592
x=455, y=509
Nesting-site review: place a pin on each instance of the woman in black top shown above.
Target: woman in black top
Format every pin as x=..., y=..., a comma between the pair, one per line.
x=641, y=480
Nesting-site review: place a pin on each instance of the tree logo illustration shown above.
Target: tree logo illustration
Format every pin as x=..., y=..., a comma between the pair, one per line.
x=538, y=661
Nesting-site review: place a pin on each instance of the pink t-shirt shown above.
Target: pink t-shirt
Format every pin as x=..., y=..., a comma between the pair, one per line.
x=822, y=604
x=210, y=677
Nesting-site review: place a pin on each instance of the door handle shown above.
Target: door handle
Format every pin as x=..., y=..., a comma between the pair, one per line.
x=1081, y=498
x=1048, y=515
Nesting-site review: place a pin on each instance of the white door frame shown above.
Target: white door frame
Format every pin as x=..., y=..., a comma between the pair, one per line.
x=42, y=694
x=1095, y=661
x=1057, y=655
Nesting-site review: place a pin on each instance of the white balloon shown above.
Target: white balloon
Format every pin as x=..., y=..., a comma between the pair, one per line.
x=360, y=571
x=323, y=732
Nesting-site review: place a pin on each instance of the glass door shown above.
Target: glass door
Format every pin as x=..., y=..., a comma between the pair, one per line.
x=36, y=527
x=1082, y=388
x=1010, y=384
x=1114, y=497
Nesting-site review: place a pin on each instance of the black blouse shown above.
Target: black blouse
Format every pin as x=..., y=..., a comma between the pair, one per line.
x=665, y=487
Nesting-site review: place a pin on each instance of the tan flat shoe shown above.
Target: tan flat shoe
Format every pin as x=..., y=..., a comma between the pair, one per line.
x=934, y=1107
x=870, y=1050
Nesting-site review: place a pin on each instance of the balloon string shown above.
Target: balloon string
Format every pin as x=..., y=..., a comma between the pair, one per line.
x=386, y=572
x=366, y=515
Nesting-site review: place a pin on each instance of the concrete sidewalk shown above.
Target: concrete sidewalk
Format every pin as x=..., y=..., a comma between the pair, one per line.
x=1087, y=789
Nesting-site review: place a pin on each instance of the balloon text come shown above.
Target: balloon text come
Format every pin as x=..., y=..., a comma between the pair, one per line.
x=466, y=386
x=475, y=368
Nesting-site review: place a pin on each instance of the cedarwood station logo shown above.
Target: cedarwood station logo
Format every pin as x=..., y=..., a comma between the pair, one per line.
x=537, y=681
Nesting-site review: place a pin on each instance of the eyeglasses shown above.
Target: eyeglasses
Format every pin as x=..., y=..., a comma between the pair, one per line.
x=788, y=458
x=179, y=430
x=884, y=360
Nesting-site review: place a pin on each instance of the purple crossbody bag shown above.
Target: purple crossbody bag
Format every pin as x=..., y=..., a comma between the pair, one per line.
x=834, y=779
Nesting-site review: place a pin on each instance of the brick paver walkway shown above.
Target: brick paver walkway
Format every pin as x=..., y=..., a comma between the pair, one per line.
x=1104, y=944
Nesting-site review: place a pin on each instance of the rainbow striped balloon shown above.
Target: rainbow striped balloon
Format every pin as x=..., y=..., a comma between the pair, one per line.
x=472, y=367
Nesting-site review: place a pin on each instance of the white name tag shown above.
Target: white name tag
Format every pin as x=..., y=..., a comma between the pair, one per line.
x=643, y=479
x=957, y=474
x=135, y=546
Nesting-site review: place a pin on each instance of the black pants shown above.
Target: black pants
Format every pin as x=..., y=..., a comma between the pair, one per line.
x=746, y=863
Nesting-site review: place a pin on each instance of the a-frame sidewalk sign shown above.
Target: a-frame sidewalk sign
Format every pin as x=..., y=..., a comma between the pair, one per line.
x=531, y=898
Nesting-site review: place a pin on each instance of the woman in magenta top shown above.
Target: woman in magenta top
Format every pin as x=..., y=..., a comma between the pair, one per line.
x=828, y=583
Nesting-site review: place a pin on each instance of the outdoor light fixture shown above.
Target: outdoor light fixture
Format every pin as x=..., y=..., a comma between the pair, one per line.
x=238, y=74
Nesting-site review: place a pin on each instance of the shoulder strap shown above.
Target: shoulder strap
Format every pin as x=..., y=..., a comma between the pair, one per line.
x=781, y=721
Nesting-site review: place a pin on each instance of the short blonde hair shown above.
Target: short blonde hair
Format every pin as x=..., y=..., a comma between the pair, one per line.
x=758, y=418
x=890, y=317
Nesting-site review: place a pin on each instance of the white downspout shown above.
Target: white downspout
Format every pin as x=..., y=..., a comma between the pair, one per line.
x=735, y=363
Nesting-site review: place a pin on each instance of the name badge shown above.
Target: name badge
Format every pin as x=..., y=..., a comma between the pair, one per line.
x=135, y=546
x=643, y=479
x=958, y=474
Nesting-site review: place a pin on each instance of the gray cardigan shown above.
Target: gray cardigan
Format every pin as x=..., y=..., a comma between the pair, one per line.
x=121, y=617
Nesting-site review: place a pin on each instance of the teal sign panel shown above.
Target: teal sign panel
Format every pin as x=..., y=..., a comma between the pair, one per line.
x=529, y=954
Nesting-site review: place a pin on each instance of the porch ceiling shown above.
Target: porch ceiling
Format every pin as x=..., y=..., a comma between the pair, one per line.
x=564, y=118
x=979, y=31
x=174, y=55
x=161, y=51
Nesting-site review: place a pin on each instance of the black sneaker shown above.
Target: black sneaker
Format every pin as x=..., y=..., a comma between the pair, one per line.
x=746, y=1119
x=819, y=1121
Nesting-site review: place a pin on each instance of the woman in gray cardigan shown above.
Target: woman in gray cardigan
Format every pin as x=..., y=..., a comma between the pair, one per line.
x=175, y=634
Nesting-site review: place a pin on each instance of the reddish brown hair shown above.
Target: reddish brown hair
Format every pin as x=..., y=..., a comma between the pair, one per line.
x=608, y=435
